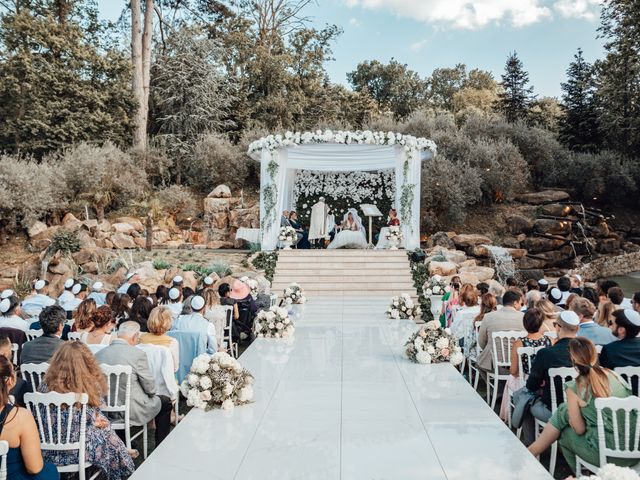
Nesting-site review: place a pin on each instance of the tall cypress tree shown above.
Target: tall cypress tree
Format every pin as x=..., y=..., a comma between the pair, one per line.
x=516, y=96
x=579, y=129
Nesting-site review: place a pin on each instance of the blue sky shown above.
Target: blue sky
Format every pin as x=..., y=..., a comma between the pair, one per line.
x=427, y=34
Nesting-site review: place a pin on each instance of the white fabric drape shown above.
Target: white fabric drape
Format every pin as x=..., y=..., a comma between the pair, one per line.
x=328, y=157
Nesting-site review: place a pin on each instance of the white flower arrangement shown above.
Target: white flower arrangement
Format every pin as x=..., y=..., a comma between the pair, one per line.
x=288, y=234
x=253, y=285
x=432, y=344
x=403, y=307
x=358, y=186
x=217, y=380
x=612, y=472
x=435, y=286
x=288, y=139
x=273, y=323
x=294, y=294
x=394, y=233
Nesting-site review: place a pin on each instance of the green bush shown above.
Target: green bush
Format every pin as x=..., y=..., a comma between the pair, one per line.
x=266, y=261
x=65, y=241
x=161, y=264
x=199, y=270
x=216, y=160
x=221, y=268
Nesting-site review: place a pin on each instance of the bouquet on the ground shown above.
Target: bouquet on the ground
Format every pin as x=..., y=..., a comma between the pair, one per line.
x=432, y=344
x=253, y=285
x=403, y=307
x=288, y=234
x=273, y=323
x=217, y=380
x=294, y=294
x=394, y=233
x=435, y=286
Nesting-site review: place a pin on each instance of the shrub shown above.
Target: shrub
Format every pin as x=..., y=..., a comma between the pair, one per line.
x=199, y=270
x=177, y=200
x=65, y=241
x=104, y=176
x=266, y=261
x=161, y=264
x=221, y=268
x=216, y=160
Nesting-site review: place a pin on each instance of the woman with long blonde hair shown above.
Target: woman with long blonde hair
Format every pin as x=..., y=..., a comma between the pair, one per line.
x=74, y=369
x=604, y=313
x=549, y=313
x=215, y=312
x=574, y=423
x=82, y=316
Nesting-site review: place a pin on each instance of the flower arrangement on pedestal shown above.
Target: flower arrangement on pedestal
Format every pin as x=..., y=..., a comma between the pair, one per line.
x=217, y=380
x=432, y=344
x=273, y=323
x=294, y=295
x=253, y=285
x=403, y=307
x=434, y=288
x=287, y=236
x=394, y=236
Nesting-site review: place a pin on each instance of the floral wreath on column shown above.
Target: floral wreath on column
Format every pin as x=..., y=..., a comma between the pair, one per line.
x=273, y=143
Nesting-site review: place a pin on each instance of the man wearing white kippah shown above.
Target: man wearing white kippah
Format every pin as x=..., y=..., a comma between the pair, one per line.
x=6, y=293
x=98, y=294
x=175, y=302
x=195, y=322
x=539, y=382
x=130, y=279
x=66, y=295
x=80, y=292
x=34, y=303
x=625, y=352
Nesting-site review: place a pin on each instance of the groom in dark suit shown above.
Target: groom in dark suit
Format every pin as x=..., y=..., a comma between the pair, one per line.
x=41, y=349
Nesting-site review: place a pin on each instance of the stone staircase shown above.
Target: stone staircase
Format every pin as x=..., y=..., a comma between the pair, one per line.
x=345, y=273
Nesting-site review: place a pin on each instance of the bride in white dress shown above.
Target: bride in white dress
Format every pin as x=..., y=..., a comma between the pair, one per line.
x=352, y=233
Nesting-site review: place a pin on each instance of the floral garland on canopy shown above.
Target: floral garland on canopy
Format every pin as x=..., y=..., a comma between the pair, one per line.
x=410, y=143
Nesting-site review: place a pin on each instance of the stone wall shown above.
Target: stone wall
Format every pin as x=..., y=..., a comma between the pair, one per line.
x=224, y=214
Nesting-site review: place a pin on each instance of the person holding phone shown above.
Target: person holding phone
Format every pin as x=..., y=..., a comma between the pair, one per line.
x=450, y=301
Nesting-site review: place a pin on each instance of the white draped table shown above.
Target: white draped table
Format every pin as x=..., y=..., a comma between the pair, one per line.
x=341, y=402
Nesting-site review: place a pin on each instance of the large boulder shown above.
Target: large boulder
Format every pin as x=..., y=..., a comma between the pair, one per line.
x=150, y=278
x=454, y=256
x=36, y=228
x=442, y=268
x=43, y=239
x=518, y=224
x=516, y=253
x=216, y=205
x=532, y=274
x=125, y=228
x=480, y=251
x=221, y=191
x=546, y=196
x=466, y=240
x=122, y=241
x=440, y=239
x=466, y=277
x=608, y=245
x=482, y=273
x=552, y=227
x=70, y=222
x=541, y=244
x=135, y=223
x=528, y=263
x=160, y=236
x=556, y=210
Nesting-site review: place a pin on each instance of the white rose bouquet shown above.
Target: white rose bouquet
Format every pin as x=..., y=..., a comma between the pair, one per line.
x=394, y=233
x=403, y=307
x=612, y=472
x=432, y=344
x=253, y=285
x=217, y=380
x=288, y=234
x=435, y=286
x=273, y=323
x=294, y=294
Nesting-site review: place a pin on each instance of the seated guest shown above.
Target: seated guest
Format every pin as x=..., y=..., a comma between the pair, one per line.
x=109, y=297
x=130, y=278
x=41, y=349
x=532, y=297
x=103, y=325
x=140, y=311
x=175, y=302
x=531, y=285
x=570, y=299
x=195, y=322
x=303, y=234
x=539, y=382
x=162, y=295
x=576, y=284
x=19, y=430
x=224, y=290
x=508, y=318
x=549, y=313
x=214, y=312
x=11, y=310
x=588, y=328
x=207, y=284
x=74, y=369
x=80, y=292
x=635, y=302
x=533, y=323
x=145, y=404
x=66, y=295
x=82, y=316
x=604, y=314
x=564, y=285
x=555, y=297
x=624, y=352
x=591, y=295
x=511, y=282
x=187, y=292
x=616, y=296
x=39, y=298
x=483, y=288
x=159, y=323
x=488, y=304
x=21, y=387
x=98, y=294
x=468, y=296
x=574, y=424
x=121, y=307
x=450, y=301
x=177, y=282
x=133, y=291
x=603, y=286
x=543, y=285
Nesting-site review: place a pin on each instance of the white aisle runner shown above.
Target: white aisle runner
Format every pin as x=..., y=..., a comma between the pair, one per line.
x=341, y=402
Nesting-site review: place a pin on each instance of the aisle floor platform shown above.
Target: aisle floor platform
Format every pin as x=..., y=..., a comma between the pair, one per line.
x=340, y=401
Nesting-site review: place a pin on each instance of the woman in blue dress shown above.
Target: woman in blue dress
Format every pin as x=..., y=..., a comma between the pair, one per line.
x=19, y=430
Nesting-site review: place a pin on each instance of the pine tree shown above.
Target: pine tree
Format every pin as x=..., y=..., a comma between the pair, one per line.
x=580, y=129
x=515, y=98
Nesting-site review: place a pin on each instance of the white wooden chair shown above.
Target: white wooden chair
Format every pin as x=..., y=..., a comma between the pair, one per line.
x=564, y=374
x=49, y=409
x=599, y=349
x=14, y=354
x=4, y=449
x=74, y=335
x=116, y=374
x=620, y=410
x=523, y=352
x=551, y=335
x=33, y=373
x=502, y=343
x=33, y=334
x=632, y=376
x=472, y=358
x=227, y=336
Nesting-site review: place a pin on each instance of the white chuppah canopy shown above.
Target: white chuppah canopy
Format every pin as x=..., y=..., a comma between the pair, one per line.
x=281, y=156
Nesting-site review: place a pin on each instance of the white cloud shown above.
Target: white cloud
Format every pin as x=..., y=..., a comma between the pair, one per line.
x=473, y=14
x=354, y=22
x=418, y=46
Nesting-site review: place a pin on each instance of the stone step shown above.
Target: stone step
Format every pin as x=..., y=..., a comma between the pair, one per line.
x=328, y=277
x=406, y=286
x=342, y=265
x=341, y=253
x=359, y=293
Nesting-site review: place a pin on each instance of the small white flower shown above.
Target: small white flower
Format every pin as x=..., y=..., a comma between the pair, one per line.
x=423, y=357
x=245, y=394
x=227, y=404
x=432, y=325
x=205, y=382
x=193, y=379
x=430, y=350
x=228, y=389
x=442, y=343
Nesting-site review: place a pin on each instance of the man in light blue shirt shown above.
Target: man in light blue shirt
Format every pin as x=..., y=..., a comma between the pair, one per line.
x=34, y=303
x=588, y=328
x=98, y=294
x=195, y=322
x=131, y=278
